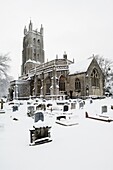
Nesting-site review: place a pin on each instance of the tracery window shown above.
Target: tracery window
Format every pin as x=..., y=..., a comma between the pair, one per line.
x=95, y=78
x=48, y=84
x=77, y=85
x=38, y=86
x=62, y=83
x=31, y=87
x=34, y=54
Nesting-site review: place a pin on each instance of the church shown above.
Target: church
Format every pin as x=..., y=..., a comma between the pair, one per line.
x=57, y=78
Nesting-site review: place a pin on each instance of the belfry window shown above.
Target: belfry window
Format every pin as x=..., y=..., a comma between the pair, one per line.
x=77, y=85
x=38, y=41
x=95, y=78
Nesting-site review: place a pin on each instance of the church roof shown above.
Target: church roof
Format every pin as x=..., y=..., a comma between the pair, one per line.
x=79, y=67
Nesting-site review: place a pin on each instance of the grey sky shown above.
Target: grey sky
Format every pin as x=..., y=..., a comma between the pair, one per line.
x=79, y=27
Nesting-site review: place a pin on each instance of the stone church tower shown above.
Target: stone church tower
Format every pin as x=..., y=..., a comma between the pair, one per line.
x=33, y=49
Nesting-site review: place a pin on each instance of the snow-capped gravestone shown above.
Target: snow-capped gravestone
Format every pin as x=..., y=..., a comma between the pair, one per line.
x=40, y=133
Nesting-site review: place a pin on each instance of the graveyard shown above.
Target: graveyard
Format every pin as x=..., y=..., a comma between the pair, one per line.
x=86, y=145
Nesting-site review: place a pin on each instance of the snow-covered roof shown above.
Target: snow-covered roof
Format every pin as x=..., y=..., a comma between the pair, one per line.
x=32, y=61
x=79, y=67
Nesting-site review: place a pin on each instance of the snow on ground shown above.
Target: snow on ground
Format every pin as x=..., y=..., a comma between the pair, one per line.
x=88, y=145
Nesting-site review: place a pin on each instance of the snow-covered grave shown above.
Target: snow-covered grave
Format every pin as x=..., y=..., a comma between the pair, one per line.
x=88, y=145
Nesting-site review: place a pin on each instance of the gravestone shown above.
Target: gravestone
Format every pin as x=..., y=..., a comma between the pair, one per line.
x=1, y=102
x=81, y=105
x=39, y=116
x=111, y=106
x=91, y=101
x=15, y=108
x=66, y=108
x=104, y=109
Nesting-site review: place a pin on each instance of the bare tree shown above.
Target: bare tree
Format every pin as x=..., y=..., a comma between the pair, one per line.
x=4, y=77
x=4, y=65
x=105, y=64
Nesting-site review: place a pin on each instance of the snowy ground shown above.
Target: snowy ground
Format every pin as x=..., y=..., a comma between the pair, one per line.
x=86, y=146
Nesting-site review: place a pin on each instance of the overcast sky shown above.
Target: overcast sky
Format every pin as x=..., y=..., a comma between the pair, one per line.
x=79, y=27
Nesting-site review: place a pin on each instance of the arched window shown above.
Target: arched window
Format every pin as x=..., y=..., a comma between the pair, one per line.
x=77, y=85
x=38, y=57
x=62, y=83
x=34, y=54
x=38, y=86
x=95, y=78
x=31, y=87
x=48, y=84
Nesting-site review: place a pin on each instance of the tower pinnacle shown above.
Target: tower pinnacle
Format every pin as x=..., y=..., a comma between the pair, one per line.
x=30, y=26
